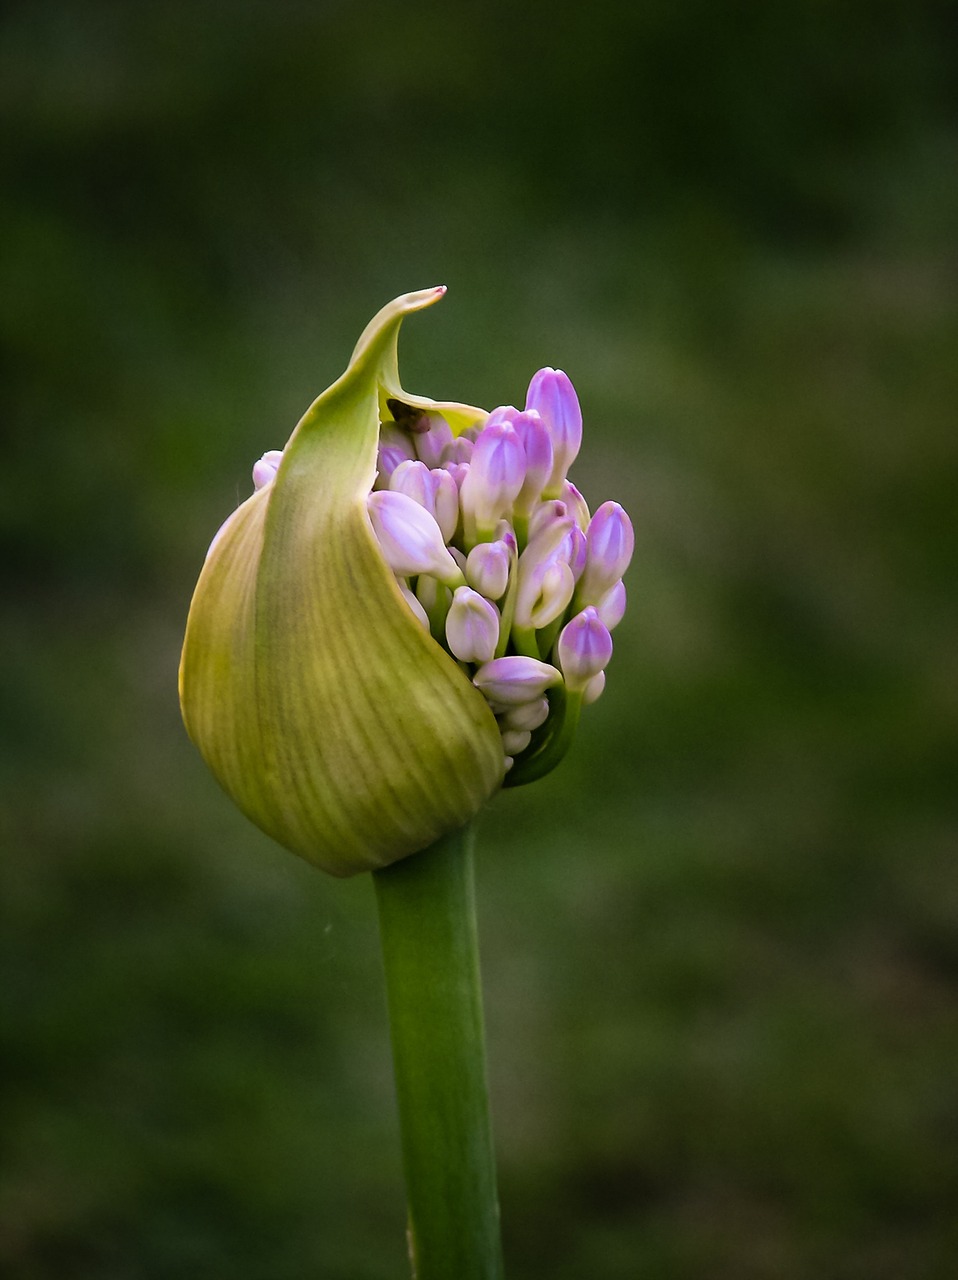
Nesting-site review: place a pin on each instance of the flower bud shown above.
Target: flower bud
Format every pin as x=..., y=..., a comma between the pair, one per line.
x=574, y=549
x=502, y=413
x=576, y=505
x=553, y=397
x=410, y=538
x=545, y=589
x=446, y=503
x=547, y=513
x=611, y=608
x=396, y=439
x=414, y=479
x=594, y=689
x=265, y=470
x=537, y=446
x=458, y=450
x=472, y=626
x=526, y=717
x=389, y=458
x=458, y=471
x=307, y=681
x=512, y=681
x=584, y=649
x=430, y=444
x=611, y=543
x=495, y=477
x=515, y=741
x=487, y=568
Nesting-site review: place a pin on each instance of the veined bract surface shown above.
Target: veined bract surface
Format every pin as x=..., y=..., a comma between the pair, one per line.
x=333, y=720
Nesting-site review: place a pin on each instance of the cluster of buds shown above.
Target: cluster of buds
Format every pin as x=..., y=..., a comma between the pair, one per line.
x=407, y=614
x=497, y=557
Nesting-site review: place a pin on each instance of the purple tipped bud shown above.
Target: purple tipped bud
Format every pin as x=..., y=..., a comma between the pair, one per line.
x=611, y=608
x=576, y=505
x=544, y=592
x=509, y=682
x=546, y=513
x=409, y=537
x=503, y=413
x=446, y=503
x=496, y=473
x=418, y=611
x=594, y=689
x=584, y=649
x=265, y=470
x=487, y=568
x=527, y=717
x=611, y=543
x=472, y=626
x=574, y=549
x=537, y=443
x=515, y=741
x=504, y=533
x=553, y=397
x=458, y=450
x=430, y=444
x=549, y=529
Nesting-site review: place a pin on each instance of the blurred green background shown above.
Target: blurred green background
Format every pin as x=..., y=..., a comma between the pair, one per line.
x=720, y=943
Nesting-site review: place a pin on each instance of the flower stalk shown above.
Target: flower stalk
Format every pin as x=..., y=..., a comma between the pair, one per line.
x=427, y=922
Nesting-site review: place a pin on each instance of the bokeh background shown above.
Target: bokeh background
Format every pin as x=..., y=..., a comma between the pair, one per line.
x=720, y=944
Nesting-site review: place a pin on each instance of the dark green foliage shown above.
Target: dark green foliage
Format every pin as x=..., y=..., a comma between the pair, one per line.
x=720, y=942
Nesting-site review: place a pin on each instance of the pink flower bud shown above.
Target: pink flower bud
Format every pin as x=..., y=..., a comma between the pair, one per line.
x=265, y=470
x=575, y=504
x=611, y=543
x=472, y=626
x=389, y=459
x=414, y=479
x=537, y=444
x=496, y=473
x=487, y=568
x=410, y=539
x=512, y=681
x=503, y=413
x=446, y=503
x=574, y=549
x=553, y=396
x=458, y=471
x=546, y=513
x=584, y=649
x=430, y=444
x=544, y=591
x=393, y=437
x=458, y=450
x=611, y=608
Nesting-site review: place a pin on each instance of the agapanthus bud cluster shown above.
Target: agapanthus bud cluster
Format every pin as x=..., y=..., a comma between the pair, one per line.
x=497, y=556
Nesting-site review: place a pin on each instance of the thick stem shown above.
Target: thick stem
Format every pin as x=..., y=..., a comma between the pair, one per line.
x=427, y=923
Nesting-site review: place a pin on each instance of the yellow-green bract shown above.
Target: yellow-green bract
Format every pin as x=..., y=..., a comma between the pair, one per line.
x=335, y=722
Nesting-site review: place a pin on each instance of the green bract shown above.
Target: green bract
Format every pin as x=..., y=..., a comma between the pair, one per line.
x=335, y=722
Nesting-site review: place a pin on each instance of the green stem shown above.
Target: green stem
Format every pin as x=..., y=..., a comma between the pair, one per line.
x=427, y=923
